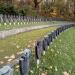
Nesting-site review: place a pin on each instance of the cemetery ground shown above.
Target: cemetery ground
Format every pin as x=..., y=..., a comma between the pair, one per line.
x=11, y=47
x=14, y=25
x=59, y=58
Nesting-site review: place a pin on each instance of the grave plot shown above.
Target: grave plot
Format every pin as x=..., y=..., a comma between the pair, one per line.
x=60, y=57
x=36, y=65
x=11, y=21
x=13, y=25
x=8, y=22
x=12, y=47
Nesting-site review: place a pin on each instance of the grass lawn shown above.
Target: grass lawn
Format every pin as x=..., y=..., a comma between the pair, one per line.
x=13, y=46
x=4, y=26
x=60, y=57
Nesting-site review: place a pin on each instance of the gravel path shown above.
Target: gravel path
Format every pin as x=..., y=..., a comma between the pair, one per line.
x=6, y=33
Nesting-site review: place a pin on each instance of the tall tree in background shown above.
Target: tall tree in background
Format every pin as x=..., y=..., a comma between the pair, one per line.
x=37, y=5
x=74, y=8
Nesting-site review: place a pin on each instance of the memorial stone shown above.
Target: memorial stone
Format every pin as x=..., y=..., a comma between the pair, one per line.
x=24, y=62
x=38, y=49
x=6, y=70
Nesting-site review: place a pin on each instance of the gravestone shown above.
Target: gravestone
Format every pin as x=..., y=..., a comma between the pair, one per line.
x=69, y=26
x=47, y=39
x=8, y=18
x=6, y=70
x=11, y=18
x=38, y=49
x=53, y=35
x=50, y=37
x=63, y=28
x=45, y=45
x=59, y=30
x=1, y=18
x=73, y=25
x=66, y=26
x=5, y=19
x=56, y=32
x=24, y=62
x=38, y=52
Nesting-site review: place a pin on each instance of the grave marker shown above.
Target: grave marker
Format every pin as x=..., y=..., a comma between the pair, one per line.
x=38, y=49
x=38, y=52
x=50, y=37
x=45, y=46
x=47, y=39
x=24, y=62
x=6, y=70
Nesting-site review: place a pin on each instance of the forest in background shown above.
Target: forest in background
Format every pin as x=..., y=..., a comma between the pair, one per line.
x=47, y=8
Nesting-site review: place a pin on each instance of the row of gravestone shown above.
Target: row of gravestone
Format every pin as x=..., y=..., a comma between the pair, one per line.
x=13, y=18
x=43, y=45
x=40, y=49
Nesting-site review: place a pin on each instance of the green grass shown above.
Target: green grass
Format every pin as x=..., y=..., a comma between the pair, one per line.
x=16, y=43
x=60, y=57
x=3, y=26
